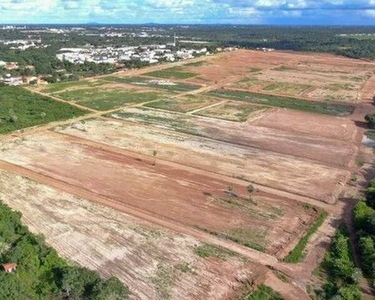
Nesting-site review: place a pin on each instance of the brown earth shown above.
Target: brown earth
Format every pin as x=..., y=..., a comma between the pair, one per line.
x=171, y=193
x=302, y=177
x=115, y=244
x=293, y=143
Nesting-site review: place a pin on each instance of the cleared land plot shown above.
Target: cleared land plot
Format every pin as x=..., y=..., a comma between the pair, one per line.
x=287, y=88
x=307, y=123
x=106, y=99
x=155, y=83
x=61, y=86
x=313, y=76
x=232, y=111
x=155, y=263
x=183, y=104
x=172, y=73
x=325, y=150
x=285, y=102
x=256, y=165
x=196, y=199
x=20, y=108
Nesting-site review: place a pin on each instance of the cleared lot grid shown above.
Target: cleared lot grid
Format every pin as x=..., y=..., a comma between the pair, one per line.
x=242, y=151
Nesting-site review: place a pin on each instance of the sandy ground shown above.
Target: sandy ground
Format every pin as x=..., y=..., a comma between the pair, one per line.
x=329, y=77
x=146, y=258
x=290, y=142
x=278, y=171
x=173, y=193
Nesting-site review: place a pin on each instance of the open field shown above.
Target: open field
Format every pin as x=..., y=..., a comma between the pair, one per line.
x=20, y=109
x=154, y=83
x=183, y=104
x=267, y=168
x=246, y=134
x=171, y=73
x=311, y=76
x=155, y=263
x=105, y=99
x=335, y=109
x=233, y=111
x=169, y=191
x=250, y=151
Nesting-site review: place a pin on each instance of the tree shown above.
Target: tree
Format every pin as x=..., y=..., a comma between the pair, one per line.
x=112, y=289
x=371, y=120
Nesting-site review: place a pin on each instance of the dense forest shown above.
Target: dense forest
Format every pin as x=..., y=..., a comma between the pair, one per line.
x=41, y=273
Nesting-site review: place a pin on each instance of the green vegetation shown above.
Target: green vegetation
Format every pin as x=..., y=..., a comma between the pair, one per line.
x=364, y=221
x=342, y=276
x=245, y=237
x=370, y=134
x=340, y=86
x=286, y=102
x=232, y=111
x=263, y=292
x=175, y=122
x=106, y=99
x=254, y=70
x=154, y=83
x=292, y=89
x=172, y=73
x=60, y=86
x=185, y=104
x=208, y=250
x=298, y=253
x=197, y=64
x=371, y=120
x=41, y=273
x=283, y=69
x=20, y=108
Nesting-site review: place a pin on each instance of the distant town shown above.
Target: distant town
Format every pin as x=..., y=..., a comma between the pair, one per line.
x=119, y=56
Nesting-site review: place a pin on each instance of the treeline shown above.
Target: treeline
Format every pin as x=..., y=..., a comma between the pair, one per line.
x=297, y=38
x=41, y=273
x=342, y=275
x=364, y=221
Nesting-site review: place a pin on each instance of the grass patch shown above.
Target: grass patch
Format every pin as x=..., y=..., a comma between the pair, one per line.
x=197, y=64
x=254, y=70
x=340, y=86
x=283, y=69
x=163, y=280
x=263, y=292
x=248, y=82
x=179, y=123
x=244, y=237
x=298, y=253
x=370, y=134
x=154, y=83
x=231, y=111
x=20, y=109
x=172, y=73
x=208, y=250
x=286, y=102
x=108, y=99
x=287, y=88
x=185, y=104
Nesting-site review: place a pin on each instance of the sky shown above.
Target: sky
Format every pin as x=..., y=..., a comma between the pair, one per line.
x=272, y=12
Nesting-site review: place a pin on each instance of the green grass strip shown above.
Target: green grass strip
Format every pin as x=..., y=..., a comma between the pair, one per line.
x=298, y=253
x=336, y=109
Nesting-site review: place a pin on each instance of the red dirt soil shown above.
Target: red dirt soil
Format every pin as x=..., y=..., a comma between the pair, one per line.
x=171, y=193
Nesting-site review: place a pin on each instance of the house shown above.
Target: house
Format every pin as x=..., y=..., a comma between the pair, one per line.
x=10, y=267
x=11, y=66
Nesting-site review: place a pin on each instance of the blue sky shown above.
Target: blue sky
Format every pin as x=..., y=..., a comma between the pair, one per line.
x=324, y=12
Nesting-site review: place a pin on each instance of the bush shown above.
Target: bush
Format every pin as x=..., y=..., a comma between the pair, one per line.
x=371, y=120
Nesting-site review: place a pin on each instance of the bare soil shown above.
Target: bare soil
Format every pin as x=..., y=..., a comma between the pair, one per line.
x=141, y=255
x=177, y=194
